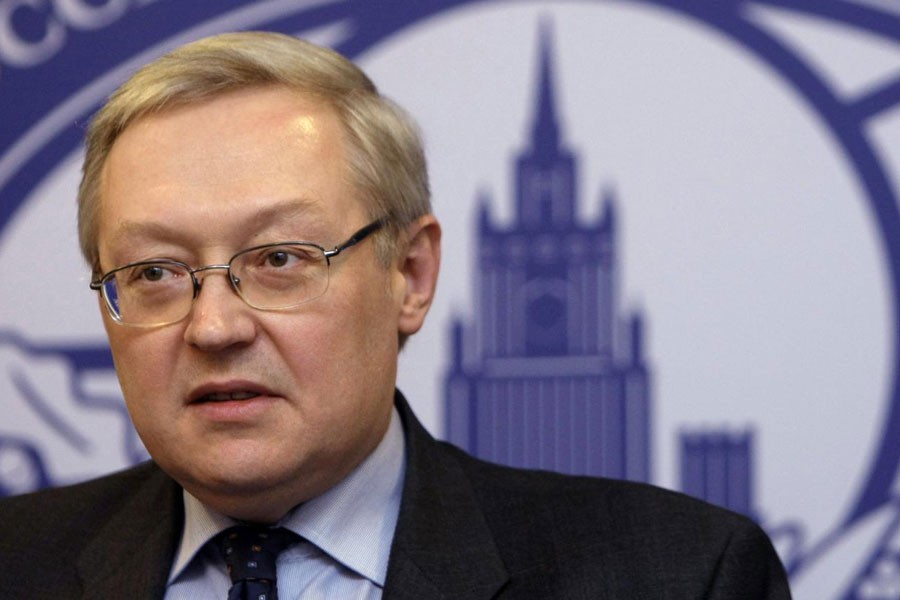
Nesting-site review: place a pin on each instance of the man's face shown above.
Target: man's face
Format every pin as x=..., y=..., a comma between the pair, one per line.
x=312, y=387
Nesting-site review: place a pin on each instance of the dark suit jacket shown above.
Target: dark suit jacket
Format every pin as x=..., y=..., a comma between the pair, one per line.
x=468, y=530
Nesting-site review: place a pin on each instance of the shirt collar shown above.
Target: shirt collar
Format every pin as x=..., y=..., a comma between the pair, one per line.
x=353, y=522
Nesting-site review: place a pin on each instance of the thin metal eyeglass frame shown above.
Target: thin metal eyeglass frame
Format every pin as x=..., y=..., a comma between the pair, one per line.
x=99, y=285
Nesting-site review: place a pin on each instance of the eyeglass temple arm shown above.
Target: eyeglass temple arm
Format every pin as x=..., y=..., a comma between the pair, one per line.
x=357, y=237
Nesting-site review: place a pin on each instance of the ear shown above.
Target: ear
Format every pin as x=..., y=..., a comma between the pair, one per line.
x=419, y=265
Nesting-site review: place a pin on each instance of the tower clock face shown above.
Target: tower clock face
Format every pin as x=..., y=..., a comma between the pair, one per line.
x=546, y=324
x=546, y=312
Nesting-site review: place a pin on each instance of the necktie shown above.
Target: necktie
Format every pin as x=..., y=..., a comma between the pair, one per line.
x=250, y=552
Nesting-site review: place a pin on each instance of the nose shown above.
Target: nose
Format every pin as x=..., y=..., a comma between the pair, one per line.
x=219, y=319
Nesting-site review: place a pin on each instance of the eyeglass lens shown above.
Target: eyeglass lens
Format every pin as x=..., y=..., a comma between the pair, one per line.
x=269, y=278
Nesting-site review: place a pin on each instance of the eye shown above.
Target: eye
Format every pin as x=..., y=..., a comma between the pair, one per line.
x=278, y=258
x=285, y=257
x=152, y=273
x=147, y=273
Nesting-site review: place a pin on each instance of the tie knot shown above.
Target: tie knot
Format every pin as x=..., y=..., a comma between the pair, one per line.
x=250, y=551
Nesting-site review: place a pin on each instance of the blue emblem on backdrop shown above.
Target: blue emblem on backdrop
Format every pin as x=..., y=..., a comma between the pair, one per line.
x=63, y=421
x=538, y=380
x=542, y=384
x=53, y=438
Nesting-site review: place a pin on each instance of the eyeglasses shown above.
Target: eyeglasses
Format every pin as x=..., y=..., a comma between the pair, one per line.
x=279, y=276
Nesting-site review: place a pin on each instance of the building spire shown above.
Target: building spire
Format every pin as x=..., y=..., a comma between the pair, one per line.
x=545, y=131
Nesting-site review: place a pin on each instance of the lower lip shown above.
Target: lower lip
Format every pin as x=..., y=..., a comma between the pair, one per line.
x=236, y=411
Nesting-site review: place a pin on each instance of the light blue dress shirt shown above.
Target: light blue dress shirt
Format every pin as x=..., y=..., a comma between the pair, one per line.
x=347, y=535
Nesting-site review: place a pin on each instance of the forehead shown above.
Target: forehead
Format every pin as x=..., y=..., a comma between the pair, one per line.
x=225, y=161
x=242, y=124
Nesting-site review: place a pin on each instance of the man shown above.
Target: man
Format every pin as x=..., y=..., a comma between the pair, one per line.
x=257, y=221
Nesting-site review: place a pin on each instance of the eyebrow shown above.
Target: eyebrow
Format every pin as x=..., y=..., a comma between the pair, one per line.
x=285, y=210
x=128, y=231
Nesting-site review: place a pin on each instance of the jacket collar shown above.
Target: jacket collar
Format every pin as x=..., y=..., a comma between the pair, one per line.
x=130, y=556
x=442, y=547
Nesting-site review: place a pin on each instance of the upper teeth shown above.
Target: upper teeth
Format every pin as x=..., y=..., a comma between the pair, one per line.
x=219, y=396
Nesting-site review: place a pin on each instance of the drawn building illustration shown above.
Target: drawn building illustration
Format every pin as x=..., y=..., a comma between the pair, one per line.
x=549, y=374
x=717, y=466
x=880, y=577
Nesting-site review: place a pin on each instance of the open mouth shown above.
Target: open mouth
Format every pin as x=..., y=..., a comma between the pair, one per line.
x=227, y=396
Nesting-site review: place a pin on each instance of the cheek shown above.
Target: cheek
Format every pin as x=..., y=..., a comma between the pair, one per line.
x=369, y=328
x=344, y=344
x=144, y=365
x=312, y=349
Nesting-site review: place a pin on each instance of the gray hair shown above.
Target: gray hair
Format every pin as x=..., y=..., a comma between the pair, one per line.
x=386, y=161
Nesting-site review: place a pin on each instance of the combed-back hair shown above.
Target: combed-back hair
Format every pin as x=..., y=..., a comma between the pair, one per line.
x=386, y=161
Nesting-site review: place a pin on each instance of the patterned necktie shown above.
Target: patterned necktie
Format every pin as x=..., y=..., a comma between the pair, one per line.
x=250, y=552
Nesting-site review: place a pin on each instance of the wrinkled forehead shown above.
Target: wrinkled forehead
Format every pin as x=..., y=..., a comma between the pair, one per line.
x=261, y=127
x=237, y=159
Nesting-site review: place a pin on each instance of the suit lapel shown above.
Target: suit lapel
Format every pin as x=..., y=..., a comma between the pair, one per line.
x=131, y=555
x=442, y=546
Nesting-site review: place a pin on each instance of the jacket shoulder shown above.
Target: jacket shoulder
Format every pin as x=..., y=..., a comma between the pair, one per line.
x=117, y=530
x=80, y=498
x=57, y=514
x=641, y=540
x=595, y=496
